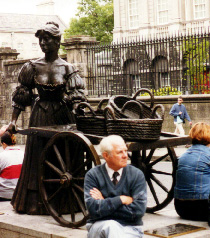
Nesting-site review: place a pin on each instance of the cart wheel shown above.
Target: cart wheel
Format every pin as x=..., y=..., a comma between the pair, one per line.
x=160, y=177
x=64, y=162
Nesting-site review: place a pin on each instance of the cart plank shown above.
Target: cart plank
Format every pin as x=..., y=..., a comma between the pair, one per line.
x=166, y=139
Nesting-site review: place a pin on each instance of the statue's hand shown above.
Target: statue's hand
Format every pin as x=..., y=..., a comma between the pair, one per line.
x=12, y=128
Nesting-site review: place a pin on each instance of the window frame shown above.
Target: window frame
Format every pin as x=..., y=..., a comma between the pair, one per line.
x=136, y=7
x=194, y=9
x=162, y=11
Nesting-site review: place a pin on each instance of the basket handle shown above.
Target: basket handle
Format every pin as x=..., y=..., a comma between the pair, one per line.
x=101, y=103
x=85, y=104
x=155, y=109
x=109, y=109
x=147, y=91
x=133, y=102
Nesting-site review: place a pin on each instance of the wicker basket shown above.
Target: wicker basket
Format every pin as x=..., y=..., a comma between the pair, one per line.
x=135, y=129
x=117, y=103
x=91, y=122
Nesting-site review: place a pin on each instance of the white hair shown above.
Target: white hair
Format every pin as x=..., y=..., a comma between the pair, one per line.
x=106, y=144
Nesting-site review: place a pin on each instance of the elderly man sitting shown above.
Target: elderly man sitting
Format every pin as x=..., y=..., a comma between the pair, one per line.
x=115, y=194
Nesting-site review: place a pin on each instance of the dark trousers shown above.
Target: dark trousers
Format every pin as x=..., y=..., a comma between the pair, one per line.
x=209, y=211
x=196, y=210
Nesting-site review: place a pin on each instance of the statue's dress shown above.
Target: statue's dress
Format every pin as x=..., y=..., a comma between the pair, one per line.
x=52, y=106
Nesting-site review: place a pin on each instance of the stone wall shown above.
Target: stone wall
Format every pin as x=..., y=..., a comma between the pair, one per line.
x=8, y=83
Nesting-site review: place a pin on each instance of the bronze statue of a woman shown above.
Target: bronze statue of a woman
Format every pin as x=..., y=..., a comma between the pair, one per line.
x=59, y=86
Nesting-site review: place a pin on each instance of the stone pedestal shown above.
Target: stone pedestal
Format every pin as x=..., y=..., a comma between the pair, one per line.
x=76, y=47
x=6, y=54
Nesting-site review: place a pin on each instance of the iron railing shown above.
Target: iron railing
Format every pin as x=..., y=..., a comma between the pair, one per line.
x=170, y=65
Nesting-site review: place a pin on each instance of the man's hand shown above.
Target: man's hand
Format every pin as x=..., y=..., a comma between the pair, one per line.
x=190, y=123
x=126, y=200
x=96, y=194
x=180, y=113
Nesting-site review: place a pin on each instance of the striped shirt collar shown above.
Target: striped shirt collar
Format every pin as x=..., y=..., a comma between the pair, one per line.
x=12, y=148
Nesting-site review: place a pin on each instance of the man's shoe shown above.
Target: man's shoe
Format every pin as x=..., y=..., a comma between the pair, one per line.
x=187, y=146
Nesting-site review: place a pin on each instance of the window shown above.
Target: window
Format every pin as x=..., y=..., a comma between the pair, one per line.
x=133, y=13
x=164, y=79
x=162, y=11
x=136, y=81
x=199, y=9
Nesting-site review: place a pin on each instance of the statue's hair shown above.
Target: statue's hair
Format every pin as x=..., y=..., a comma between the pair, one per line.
x=54, y=23
x=107, y=143
x=51, y=28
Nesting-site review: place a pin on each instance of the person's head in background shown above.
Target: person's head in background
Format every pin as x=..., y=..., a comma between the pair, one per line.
x=180, y=100
x=8, y=139
x=200, y=134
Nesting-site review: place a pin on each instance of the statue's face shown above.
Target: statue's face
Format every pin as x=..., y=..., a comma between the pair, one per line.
x=47, y=42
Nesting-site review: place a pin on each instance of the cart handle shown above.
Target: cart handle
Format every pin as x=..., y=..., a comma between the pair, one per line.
x=155, y=109
x=145, y=90
x=84, y=105
x=101, y=103
x=133, y=103
x=109, y=110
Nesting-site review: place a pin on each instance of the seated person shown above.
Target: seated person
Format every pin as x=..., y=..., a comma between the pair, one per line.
x=11, y=160
x=115, y=194
x=192, y=187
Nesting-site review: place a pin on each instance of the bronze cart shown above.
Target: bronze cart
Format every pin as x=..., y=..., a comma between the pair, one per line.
x=69, y=154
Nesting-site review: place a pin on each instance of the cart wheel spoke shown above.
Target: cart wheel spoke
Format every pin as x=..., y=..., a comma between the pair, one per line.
x=53, y=167
x=60, y=160
x=79, y=188
x=82, y=166
x=61, y=204
x=153, y=191
x=80, y=203
x=51, y=180
x=54, y=194
x=78, y=178
x=143, y=155
x=149, y=157
x=67, y=155
x=71, y=207
x=158, y=160
x=160, y=172
x=76, y=154
x=159, y=183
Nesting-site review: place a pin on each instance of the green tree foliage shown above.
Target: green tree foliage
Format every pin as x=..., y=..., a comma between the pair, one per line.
x=196, y=58
x=95, y=18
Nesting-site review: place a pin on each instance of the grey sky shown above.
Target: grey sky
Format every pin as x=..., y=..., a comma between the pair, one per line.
x=66, y=9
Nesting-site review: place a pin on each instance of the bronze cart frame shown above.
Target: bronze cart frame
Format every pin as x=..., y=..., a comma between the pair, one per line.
x=69, y=154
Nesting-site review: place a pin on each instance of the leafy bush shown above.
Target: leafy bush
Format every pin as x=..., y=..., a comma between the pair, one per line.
x=166, y=91
x=163, y=91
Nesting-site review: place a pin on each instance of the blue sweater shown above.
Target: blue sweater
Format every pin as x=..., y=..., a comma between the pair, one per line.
x=132, y=183
x=176, y=108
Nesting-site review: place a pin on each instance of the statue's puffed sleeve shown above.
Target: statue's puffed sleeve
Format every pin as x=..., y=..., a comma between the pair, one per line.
x=75, y=85
x=23, y=95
